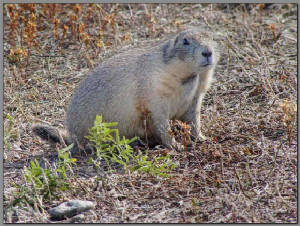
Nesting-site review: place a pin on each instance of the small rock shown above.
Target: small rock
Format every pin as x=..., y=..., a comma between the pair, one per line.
x=77, y=219
x=70, y=209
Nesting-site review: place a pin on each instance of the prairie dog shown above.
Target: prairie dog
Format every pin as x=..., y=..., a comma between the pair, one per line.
x=142, y=89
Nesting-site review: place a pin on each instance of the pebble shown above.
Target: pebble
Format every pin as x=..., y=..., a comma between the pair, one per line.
x=77, y=219
x=70, y=209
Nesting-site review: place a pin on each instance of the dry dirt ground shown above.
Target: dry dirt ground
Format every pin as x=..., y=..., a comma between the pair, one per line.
x=246, y=172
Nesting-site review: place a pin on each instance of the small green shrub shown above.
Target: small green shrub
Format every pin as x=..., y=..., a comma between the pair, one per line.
x=44, y=184
x=159, y=166
x=108, y=144
x=9, y=132
x=112, y=149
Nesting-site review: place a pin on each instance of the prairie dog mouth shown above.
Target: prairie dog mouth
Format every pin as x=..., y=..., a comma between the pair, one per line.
x=207, y=64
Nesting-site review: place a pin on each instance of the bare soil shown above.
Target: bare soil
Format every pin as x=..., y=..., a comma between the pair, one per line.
x=246, y=172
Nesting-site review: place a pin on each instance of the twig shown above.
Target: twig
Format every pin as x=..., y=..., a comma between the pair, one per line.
x=47, y=55
x=240, y=184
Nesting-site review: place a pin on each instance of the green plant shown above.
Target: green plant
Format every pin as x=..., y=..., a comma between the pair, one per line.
x=9, y=132
x=159, y=166
x=44, y=184
x=112, y=149
x=108, y=144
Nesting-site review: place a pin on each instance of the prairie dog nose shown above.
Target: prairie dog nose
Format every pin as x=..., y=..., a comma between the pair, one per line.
x=207, y=53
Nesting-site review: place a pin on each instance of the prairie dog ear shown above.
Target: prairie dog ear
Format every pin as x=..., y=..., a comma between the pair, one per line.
x=179, y=38
x=176, y=40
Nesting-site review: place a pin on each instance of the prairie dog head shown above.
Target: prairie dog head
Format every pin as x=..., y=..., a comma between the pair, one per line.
x=194, y=48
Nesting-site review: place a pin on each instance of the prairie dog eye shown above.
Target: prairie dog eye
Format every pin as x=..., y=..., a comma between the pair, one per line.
x=185, y=42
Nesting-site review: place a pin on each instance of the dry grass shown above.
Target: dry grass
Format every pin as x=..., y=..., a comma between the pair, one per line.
x=247, y=170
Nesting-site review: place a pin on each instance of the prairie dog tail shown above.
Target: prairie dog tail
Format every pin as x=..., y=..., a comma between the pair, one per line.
x=51, y=134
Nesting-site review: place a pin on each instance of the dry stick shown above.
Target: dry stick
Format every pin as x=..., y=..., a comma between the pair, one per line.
x=277, y=189
x=244, y=136
x=205, y=20
x=247, y=166
x=276, y=152
x=240, y=184
x=274, y=163
x=47, y=55
x=265, y=61
x=222, y=165
x=83, y=188
x=132, y=186
x=237, y=50
x=269, y=108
